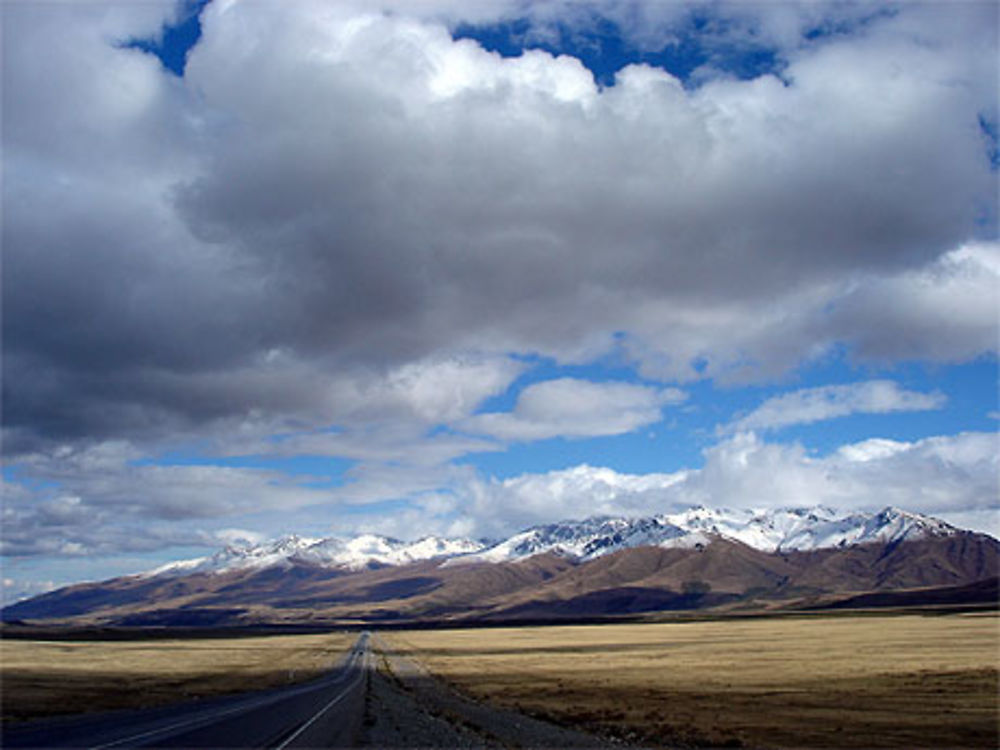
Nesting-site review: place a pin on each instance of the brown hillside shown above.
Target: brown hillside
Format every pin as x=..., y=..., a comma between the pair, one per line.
x=634, y=580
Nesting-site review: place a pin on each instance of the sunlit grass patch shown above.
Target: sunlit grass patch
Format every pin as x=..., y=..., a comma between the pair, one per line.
x=891, y=681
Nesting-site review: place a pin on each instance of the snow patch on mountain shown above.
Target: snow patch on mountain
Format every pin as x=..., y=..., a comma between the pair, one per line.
x=361, y=551
x=782, y=529
x=580, y=539
x=333, y=552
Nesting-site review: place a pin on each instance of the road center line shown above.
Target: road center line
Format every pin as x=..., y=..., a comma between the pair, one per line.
x=208, y=719
x=322, y=711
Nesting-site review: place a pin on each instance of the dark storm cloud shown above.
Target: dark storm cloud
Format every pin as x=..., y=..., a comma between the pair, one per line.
x=325, y=200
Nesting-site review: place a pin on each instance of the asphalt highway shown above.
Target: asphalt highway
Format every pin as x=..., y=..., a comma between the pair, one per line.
x=327, y=712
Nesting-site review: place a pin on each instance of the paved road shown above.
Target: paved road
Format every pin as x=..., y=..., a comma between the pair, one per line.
x=324, y=713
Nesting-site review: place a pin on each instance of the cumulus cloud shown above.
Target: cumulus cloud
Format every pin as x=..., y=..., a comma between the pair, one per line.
x=100, y=499
x=831, y=401
x=165, y=491
x=501, y=507
x=445, y=391
x=946, y=311
x=570, y=407
x=935, y=475
x=952, y=477
x=349, y=192
x=872, y=449
x=342, y=232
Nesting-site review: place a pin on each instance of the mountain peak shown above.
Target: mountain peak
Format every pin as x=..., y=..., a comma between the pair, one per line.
x=732, y=551
x=779, y=529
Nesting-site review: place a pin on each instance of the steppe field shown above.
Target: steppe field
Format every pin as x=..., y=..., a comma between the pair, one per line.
x=44, y=678
x=875, y=681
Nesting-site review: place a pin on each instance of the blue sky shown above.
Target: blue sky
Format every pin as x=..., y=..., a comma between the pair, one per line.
x=461, y=269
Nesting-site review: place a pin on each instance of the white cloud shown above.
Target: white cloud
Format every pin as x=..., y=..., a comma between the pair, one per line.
x=98, y=500
x=498, y=507
x=568, y=407
x=238, y=537
x=140, y=507
x=446, y=391
x=831, y=401
x=342, y=228
x=953, y=477
x=336, y=193
x=936, y=475
x=946, y=311
x=161, y=491
x=872, y=449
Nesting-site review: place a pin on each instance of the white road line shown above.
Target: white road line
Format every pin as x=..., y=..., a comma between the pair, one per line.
x=319, y=713
x=189, y=723
x=203, y=719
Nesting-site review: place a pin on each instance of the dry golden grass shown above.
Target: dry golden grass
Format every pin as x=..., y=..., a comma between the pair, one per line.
x=42, y=678
x=887, y=681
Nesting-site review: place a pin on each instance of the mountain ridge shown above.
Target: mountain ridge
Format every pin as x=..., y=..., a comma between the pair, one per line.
x=605, y=566
x=780, y=529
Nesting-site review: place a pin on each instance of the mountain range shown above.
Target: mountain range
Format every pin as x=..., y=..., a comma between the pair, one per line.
x=691, y=559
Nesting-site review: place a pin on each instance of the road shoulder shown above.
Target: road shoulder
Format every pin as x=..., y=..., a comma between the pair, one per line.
x=462, y=721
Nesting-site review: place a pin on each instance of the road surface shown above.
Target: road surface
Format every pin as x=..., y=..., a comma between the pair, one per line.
x=327, y=712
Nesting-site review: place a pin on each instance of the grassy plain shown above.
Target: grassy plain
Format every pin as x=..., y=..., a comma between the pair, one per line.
x=883, y=681
x=43, y=678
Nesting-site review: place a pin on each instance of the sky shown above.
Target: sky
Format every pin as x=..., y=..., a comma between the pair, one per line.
x=441, y=267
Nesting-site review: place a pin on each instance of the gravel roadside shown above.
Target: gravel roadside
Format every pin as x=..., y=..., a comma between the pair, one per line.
x=408, y=707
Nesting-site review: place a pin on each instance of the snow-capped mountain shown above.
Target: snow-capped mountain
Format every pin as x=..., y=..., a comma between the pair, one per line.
x=786, y=529
x=333, y=552
x=714, y=558
x=783, y=529
x=585, y=540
